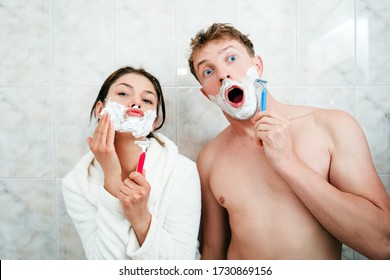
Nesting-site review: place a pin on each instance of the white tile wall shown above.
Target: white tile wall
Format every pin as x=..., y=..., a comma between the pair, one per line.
x=55, y=54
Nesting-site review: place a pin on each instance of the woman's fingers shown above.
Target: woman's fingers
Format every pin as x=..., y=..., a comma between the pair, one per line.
x=104, y=135
x=101, y=130
x=110, y=132
x=135, y=185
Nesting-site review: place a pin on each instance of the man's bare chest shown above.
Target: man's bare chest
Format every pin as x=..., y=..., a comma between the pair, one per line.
x=244, y=174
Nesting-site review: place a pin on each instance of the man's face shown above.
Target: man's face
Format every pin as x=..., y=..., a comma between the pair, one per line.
x=228, y=75
x=219, y=60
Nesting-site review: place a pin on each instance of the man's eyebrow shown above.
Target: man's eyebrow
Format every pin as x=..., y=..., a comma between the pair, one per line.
x=219, y=52
x=203, y=61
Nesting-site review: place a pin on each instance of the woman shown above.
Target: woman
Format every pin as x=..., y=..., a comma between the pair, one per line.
x=120, y=213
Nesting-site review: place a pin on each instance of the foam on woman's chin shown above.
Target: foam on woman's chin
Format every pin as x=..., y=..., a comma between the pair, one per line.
x=138, y=126
x=249, y=106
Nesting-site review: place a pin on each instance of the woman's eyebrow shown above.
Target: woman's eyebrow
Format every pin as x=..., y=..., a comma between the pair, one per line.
x=150, y=92
x=131, y=87
x=125, y=84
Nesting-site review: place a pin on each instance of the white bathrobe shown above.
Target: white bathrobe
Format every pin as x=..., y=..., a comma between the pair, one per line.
x=174, y=204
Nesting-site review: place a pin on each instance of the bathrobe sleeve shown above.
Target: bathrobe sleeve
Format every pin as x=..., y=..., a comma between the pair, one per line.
x=173, y=232
x=96, y=214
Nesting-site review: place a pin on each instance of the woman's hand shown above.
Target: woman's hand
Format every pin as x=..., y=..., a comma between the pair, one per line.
x=102, y=146
x=134, y=195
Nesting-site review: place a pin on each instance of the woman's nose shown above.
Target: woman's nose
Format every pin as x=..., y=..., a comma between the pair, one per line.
x=135, y=101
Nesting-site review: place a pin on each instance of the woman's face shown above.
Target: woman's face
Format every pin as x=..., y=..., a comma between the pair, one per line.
x=135, y=92
x=131, y=103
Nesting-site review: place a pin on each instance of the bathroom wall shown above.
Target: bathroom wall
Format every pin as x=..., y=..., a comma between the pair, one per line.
x=54, y=55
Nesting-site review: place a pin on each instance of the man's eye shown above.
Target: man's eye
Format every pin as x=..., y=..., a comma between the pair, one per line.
x=207, y=72
x=232, y=58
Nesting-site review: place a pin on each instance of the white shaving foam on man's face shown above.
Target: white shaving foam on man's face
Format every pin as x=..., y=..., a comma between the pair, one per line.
x=138, y=126
x=249, y=86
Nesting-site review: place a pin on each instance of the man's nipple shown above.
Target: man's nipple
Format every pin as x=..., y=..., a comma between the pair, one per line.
x=221, y=199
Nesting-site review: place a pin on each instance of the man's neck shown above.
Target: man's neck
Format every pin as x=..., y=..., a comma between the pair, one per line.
x=246, y=126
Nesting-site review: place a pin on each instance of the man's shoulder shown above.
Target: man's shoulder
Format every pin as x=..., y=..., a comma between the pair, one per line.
x=328, y=117
x=214, y=147
x=332, y=118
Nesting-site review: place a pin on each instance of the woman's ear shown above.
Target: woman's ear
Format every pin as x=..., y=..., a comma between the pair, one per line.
x=154, y=124
x=259, y=65
x=98, y=109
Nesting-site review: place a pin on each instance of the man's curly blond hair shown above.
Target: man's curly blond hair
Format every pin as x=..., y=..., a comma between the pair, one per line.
x=217, y=31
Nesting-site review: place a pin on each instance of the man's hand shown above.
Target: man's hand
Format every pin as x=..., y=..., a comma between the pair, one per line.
x=272, y=132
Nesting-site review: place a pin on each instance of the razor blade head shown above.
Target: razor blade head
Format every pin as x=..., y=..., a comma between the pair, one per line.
x=143, y=144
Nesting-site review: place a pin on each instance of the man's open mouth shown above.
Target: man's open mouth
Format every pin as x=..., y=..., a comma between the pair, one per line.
x=235, y=96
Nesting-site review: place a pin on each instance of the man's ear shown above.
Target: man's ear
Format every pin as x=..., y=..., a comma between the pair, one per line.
x=259, y=65
x=204, y=93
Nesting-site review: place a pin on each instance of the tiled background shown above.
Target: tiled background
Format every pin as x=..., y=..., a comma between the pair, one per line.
x=54, y=55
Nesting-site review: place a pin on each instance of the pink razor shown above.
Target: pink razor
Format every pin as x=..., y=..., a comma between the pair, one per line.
x=144, y=146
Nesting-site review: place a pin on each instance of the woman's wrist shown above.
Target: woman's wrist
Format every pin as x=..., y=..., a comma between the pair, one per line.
x=112, y=185
x=141, y=227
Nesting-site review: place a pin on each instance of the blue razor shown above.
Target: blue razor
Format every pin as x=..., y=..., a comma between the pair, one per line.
x=263, y=99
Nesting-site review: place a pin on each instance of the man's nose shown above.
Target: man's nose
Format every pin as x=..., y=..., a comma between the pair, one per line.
x=223, y=78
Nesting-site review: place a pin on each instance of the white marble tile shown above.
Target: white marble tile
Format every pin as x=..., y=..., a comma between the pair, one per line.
x=371, y=105
x=198, y=121
x=346, y=253
x=145, y=36
x=386, y=183
x=270, y=25
x=373, y=42
x=26, y=43
x=286, y=95
x=358, y=256
x=27, y=219
x=191, y=17
x=169, y=127
x=73, y=106
x=27, y=143
x=325, y=42
x=83, y=42
x=69, y=245
x=328, y=98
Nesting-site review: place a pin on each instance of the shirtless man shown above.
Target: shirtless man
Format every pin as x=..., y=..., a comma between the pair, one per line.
x=291, y=182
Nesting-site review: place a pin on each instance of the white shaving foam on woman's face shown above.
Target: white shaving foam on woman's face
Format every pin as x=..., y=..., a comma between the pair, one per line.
x=249, y=86
x=138, y=126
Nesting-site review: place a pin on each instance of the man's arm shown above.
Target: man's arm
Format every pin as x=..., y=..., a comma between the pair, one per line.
x=353, y=205
x=214, y=219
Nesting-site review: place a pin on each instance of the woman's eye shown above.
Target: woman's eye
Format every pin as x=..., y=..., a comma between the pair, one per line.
x=147, y=101
x=232, y=58
x=122, y=94
x=207, y=72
